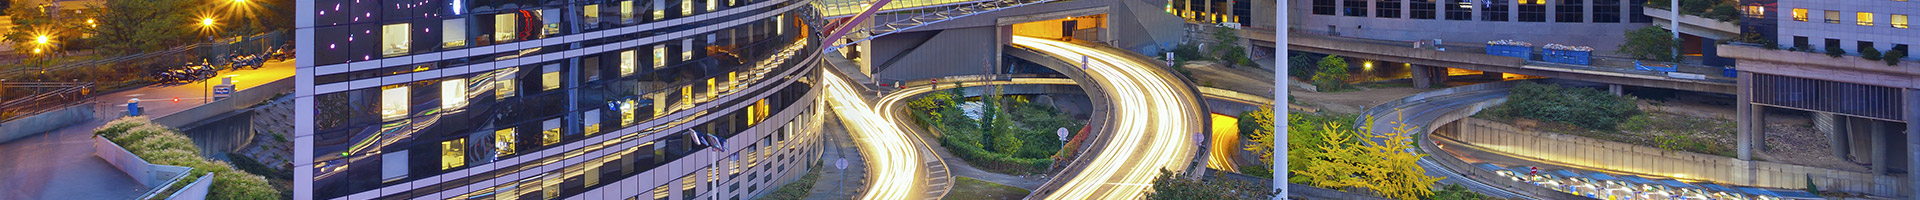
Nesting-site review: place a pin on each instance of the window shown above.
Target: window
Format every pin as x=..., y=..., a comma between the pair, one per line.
x=1495, y=10
x=393, y=102
x=503, y=27
x=1325, y=7
x=1801, y=42
x=627, y=59
x=550, y=132
x=1898, y=21
x=711, y=90
x=686, y=49
x=660, y=193
x=453, y=94
x=733, y=164
x=1800, y=14
x=503, y=83
x=1388, y=9
x=686, y=8
x=1459, y=9
x=1569, y=11
x=453, y=153
x=1637, y=12
x=592, y=14
x=1863, y=18
x=659, y=9
x=1754, y=11
x=1533, y=11
x=550, y=77
x=393, y=40
x=1833, y=17
x=503, y=141
x=1421, y=8
x=1606, y=11
x=1857, y=46
x=626, y=12
x=591, y=122
x=659, y=56
x=627, y=109
x=1355, y=8
x=711, y=5
x=393, y=166
x=453, y=33
x=688, y=184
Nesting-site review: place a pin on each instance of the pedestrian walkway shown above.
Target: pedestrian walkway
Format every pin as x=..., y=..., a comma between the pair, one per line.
x=835, y=183
x=61, y=163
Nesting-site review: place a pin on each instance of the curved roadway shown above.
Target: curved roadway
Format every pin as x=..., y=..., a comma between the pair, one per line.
x=1418, y=115
x=1155, y=117
x=895, y=160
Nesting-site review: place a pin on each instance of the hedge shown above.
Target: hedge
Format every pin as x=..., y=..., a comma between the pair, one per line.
x=1587, y=108
x=164, y=146
x=995, y=162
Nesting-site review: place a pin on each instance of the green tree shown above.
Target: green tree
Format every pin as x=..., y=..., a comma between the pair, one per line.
x=1584, y=107
x=145, y=25
x=30, y=22
x=1338, y=157
x=1227, y=47
x=1650, y=43
x=1332, y=74
x=1301, y=66
x=1457, y=192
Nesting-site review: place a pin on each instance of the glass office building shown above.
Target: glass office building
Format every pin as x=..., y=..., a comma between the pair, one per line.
x=573, y=99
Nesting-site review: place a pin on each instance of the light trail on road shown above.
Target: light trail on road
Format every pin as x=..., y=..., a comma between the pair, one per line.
x=1153, y=124
x=891, y=159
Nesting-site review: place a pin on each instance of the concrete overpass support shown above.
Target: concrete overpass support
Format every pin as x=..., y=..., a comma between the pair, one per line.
x=1751, y=123
x=1878, y=130
x=1834, y=126
x=1615, y=89
x=1428, y=76
x=1913, y=142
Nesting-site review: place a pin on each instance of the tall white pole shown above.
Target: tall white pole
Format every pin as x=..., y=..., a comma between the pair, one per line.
x=1280, y=101
x=1673, y=25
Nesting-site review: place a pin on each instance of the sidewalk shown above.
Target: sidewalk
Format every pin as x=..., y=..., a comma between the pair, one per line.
x=61, y=164
x=835, y=183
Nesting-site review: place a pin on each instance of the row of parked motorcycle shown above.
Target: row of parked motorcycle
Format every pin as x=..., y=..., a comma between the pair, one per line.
x=208, y=68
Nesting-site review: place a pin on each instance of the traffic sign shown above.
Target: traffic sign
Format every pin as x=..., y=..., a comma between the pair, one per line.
x=842, y=164
x=1063, y=133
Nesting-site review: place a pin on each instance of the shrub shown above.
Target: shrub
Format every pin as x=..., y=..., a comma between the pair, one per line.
x=164, y=146
x=1834, y=50
x=1893, y=56
x=1869, y=53
x=1723, y=12
x=1587, y=108
x=1332, y=74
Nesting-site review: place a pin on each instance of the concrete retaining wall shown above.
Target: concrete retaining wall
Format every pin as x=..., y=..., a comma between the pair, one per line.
x=238, y=100
x=1628, y=158
x=43, y=122
x=194, y=191
x=125, y=161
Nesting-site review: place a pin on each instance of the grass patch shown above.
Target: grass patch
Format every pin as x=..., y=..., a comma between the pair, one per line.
x=969, y=188
x=798, y=188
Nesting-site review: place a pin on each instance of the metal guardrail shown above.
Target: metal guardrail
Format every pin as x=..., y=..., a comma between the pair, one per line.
x=1601, y=61
x=66, y=94
x=226, y=43
x=936, y=17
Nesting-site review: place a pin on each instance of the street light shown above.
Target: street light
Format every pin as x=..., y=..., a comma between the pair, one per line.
x=206, y=21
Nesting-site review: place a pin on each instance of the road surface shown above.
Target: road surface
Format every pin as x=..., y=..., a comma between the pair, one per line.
x=1418, y=114
x=894, y=159
x=1155, y=119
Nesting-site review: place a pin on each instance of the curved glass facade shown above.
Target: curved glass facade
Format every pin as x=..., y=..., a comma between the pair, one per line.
x=459, y=99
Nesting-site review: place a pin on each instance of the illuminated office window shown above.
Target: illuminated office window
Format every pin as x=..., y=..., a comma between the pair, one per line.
x=592, y=177
x=712, y=5
x=550, y=185
x=627, y=60
x=686, y=8
x=659, y=9
x=550, y=22
x=1800, y=14
x=626, y=12
x=453, y=94
x=453, y=33
x=686, y=94
x=688, y=184
x=393, y=102
x=1863, y=18
x=661, y=193
x=550, y=77
x=453, y=153
x=733, y=164
x=711, y=92
x=393, y=39
x=659, y=56
x=591, y=120
x=592, y=14
x=503, y=141
x=504, y=83
x=627, y=110
x=503, y=25
x=550, y=132
x=779, y=26
x=1899, y=21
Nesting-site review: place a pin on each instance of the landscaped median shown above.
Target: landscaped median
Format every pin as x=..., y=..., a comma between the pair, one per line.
x=161, y=145
x=1008, y=135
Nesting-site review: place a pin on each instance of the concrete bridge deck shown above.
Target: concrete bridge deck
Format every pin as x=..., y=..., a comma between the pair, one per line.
x=1606, y=70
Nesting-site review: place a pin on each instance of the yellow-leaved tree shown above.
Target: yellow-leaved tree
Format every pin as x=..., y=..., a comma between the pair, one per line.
x=1324, y=152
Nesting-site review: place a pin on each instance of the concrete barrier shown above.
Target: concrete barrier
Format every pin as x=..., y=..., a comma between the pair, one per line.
x=236, y=101
x=194, y=191
x=44, y=122
x=128, y=163
x=1636, y=159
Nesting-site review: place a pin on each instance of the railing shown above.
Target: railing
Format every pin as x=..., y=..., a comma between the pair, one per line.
x=1601, y=61
x=65, y=94
x=259, y=41
x=922, y=20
